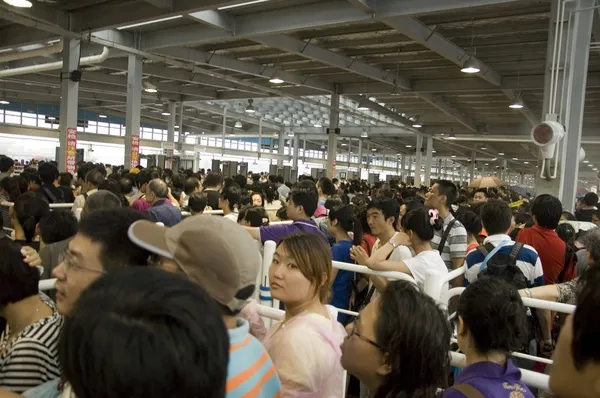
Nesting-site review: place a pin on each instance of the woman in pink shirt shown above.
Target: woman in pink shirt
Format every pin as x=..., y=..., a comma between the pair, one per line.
x=305, y=346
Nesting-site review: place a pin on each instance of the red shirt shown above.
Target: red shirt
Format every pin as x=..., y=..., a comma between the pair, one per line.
x=551, y=250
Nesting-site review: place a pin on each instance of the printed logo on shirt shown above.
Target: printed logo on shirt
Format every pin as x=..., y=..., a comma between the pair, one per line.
x=517, y=391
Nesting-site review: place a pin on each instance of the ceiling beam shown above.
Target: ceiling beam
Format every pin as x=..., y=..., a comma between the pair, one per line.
x=311, y=51
x=429, y=38
x=251, y=68
x=353, y=65
x=218, y=110
x=215, y=19
x=303, y=17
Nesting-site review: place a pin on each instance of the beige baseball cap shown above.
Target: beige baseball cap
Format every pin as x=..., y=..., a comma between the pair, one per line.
x=214, y=252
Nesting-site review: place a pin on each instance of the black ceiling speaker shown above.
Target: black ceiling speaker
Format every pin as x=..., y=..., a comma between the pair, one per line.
x=75, y=76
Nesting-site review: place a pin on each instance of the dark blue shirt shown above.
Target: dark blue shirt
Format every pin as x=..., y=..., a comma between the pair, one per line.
x=341, y=290
x=492, y=381
x=164, y=212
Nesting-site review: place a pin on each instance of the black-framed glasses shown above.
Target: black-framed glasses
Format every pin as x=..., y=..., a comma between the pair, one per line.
x=354, y=332
x=67, y=260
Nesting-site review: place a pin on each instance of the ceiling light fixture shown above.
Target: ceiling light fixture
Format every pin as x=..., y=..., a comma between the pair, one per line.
x=471, y=66
x=452, y=137
x=102, y=116
x=363, y=105
x=416, y=123
x=453, y=156
x=409, y=146
x=19, y=3
x=515, y=158
x=586, y=161
x=517, y=103
x=4, y=102
x=364, y=134
x=322, y=146
x=165, y=111
x=241, y=4
x=526, y=162
x=276, y=79
x=318, y=124
x=250, y=108
x=501, y=153
x=238, y=124
x=51, y=118
x=374, y=149
x=149, y=87
x=135, y=25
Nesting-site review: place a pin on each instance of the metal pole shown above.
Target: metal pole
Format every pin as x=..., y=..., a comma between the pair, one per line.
x=132, y=113
x=581, y=31
x=418, y=159
x=429, y=161
x=68, y=106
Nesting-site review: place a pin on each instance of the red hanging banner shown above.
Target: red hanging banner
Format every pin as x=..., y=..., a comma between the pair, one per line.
x=71, y=157
x=135, y=151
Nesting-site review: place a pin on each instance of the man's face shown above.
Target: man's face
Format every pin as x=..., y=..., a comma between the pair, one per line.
x=479, y=197
x=433, y=199
x=596, y=220
x=565, y=379
x=377, y=222
x=294, y=212
x=80, y=266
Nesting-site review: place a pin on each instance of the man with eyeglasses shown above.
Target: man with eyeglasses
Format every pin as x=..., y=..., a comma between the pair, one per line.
x=101, y=246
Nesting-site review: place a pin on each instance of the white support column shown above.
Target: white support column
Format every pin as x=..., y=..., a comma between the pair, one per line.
x=304, y=149
x=403, y=167
x=349, y=153
x=428, y=162
x=180, y=124
x=295, y=151
x=472, y=170
x=409, y=169
x=334, y=117
x=360, y=158
x=260, y=123
x=132, y=113
x=223, y=131
x=281, y=148
x=578, y=60
x=418, y=160
x=171, y=132
x=69, y=103
x=369, y=154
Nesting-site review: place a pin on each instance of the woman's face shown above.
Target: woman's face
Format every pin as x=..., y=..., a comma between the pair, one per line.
x=288, y=284
x=256, y=201
x=361, y=356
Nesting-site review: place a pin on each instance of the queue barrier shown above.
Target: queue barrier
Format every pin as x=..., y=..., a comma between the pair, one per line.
x=52, y=205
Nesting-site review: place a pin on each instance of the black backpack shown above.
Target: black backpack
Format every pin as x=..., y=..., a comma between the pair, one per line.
x=503, y=266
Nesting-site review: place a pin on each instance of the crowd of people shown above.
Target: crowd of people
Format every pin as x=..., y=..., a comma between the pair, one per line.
x=154, y=298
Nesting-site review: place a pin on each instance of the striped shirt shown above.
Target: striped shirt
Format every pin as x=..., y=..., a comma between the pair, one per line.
x=251, y=373
x=31, y=358
x=528, y=260
x=456, y=244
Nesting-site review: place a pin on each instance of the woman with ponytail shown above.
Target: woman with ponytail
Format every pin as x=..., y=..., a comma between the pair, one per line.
x=26, y=214
x=9, y=192
x=340, y=222
x=418, y=227
x=491, y=324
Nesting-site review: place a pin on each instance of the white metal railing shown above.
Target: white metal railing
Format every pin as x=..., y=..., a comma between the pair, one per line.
x=52, y=205
x=47, y=284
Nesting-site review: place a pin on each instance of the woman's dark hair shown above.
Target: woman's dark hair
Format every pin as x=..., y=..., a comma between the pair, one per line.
x=566, y=233
x=126, y=183
x=65, y=179
x=212, y=180
x=29, y=210
x=282, y=213
x=412, y=203
x=17, y=279
x=347, y=221
x=233, y=195
x=158, y=316
x=332, y=202
x=361, y=215
x=271, y=193
x=471, y=221
x=420, y=222
x=197, y=202
x=11, y=186
x=415, y=337
x=256, y=216
x=494, y=314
